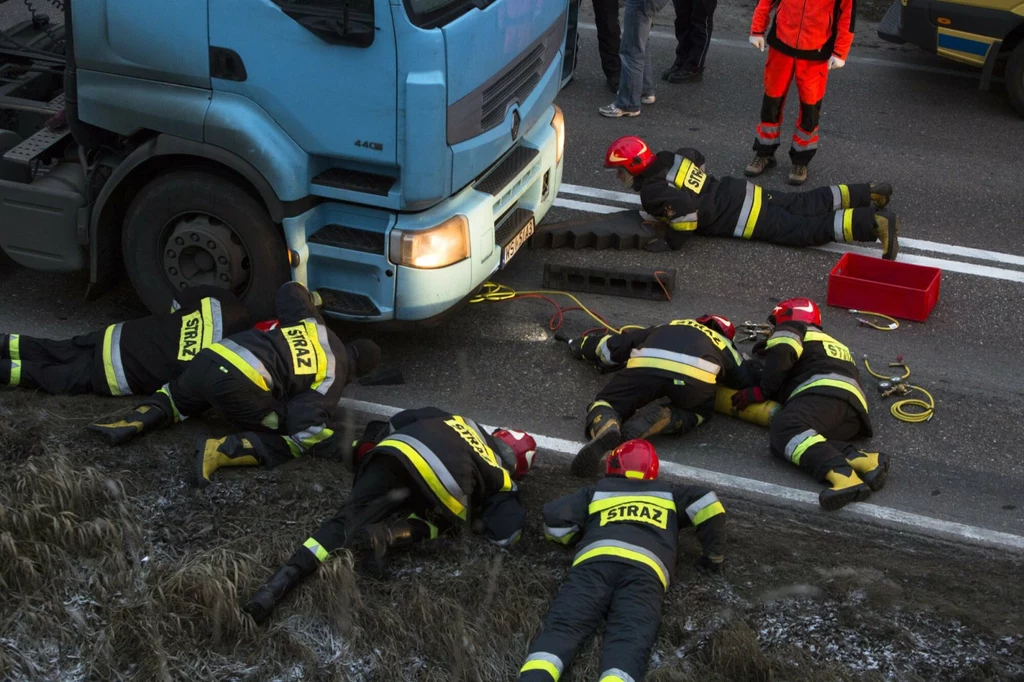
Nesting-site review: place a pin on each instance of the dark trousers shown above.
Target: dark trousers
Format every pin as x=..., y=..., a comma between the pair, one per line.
x=694, y=25
x=631, y=389
x=609, y=36
x=627, y=595
x=381, y=490
x=69, y=367
x=811, y=432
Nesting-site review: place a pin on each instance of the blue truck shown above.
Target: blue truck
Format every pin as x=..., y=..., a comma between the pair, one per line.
x=391, y=154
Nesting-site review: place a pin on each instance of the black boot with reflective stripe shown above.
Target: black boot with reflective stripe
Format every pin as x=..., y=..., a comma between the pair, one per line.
x=655, y=420
x=872, y=467
x=887, y=231
x=214, y=453
x=846, y=487
x=604, y=427
x=881, y=193
x=262, y=603
x=385, y=536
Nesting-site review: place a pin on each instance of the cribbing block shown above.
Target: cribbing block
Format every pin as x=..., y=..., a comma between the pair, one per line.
x=622, y=230
x=614, y=282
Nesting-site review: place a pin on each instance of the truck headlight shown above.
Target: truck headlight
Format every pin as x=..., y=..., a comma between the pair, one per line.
x=435, y=247
x=558, y=123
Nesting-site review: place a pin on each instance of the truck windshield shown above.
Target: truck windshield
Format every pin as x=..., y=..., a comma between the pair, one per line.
x=434, y=13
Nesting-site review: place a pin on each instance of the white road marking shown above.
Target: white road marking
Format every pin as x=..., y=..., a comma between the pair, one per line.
x=871, y=61
x=742, y=486
x=919, y=244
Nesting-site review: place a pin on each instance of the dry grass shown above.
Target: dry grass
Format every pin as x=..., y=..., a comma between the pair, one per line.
x=97, y=583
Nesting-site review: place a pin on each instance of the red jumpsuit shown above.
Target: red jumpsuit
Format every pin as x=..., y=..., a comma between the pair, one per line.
x=803, y=34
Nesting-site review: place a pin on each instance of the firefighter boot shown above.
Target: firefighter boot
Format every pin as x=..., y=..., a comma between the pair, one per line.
x=846, y=488
x=654, y=420
x=759, y=164
x=887, y=231
x=144, y=418
x=872, y=467
x=604, y=427
x=265, y=599
x=385, y=536
x=798, y=174
x=214, y=453
x=881, y=193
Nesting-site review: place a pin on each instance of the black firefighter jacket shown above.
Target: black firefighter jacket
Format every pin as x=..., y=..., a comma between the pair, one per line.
x=636, y=522
x=458, y=466
x=801, y=359
x=140, y=356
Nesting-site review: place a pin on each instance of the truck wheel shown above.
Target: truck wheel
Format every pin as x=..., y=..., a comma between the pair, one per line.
x=1015, y=78
x=193, y=228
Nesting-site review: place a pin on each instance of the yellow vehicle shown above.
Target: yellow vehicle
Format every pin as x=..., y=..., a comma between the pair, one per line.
x=982, y=33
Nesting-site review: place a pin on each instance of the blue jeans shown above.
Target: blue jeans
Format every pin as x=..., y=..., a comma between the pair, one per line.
x=637, y=77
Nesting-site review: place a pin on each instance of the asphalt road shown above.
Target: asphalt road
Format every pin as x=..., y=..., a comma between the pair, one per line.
x=954, y=156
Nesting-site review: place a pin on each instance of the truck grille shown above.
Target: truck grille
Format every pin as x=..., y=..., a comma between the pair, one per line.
x=515, y=86
x=511, y=166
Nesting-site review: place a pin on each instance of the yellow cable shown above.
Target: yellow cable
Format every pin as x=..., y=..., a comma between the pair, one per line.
x=499, y=292
x=892, y=326
x=899, y=408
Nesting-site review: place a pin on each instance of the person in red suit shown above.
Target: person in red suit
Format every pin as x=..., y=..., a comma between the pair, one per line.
x=807, y=39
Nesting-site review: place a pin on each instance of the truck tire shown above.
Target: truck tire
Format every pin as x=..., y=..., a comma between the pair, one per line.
x=1015, y=78
x=190, y=228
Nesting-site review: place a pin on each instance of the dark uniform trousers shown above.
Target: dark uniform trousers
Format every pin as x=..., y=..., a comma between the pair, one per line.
x=631, y=389
x=609, y=36
x=841, y=213
x=694, y=25
x=811, y=431
x=629, y=596
x=66, y=367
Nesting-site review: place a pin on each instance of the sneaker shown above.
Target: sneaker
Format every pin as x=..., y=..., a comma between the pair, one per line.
x=881, y=193
x=758, y=165
x=648, y=99
x=798, y=175
x=682, y=76
x=612, y=111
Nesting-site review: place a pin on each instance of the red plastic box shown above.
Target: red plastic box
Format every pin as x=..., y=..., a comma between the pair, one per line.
x=883, y=286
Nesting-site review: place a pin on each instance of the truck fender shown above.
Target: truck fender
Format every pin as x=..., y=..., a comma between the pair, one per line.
x=129, y=176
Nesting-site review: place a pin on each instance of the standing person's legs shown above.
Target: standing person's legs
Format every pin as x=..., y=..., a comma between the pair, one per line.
x=811, y=78
x=609, y=39
x=701, y=25
x=636, y=65
x=778, y=74
x=683, y=8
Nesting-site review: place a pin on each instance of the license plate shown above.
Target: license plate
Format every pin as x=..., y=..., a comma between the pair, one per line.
x=517, y=242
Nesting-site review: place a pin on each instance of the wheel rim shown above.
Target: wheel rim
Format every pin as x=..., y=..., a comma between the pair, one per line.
x=201, y=250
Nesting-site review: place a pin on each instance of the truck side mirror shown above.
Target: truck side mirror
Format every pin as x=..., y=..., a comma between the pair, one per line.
x=339, y=22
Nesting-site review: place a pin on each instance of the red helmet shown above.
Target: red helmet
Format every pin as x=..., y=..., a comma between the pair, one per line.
x=524, y=447
x=267, y=325
x=720, y=324
x=796, y=309
x=629, y=152
x=634, y=459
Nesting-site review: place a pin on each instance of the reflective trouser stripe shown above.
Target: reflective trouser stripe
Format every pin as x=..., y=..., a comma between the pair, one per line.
x=845, y=192
x=600, y=403
x=833, y=381
x=686, y=223
x=842, y=226
x=602, y=350
x=245, y=362
x=672, y=366
x=113, y=368
x=14, y=351
x=318, y=551
x=293, y=447
x=704, y=508
x=447, y=492
x=624, y=550
x=545, y=662
x=560, y=535
x=616, y=675
x=166, y=390
x=326, y=363
x=749, y=213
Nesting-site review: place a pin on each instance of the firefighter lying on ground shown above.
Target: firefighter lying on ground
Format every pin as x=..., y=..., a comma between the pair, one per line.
x=129, y=358
x=279, y=387
x=429, y=464
x=627, y=528
x=682, y=361
x=816, y=379
x=675, y=189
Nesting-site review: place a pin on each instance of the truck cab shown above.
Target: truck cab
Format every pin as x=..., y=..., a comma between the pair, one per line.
x=391, y=154
x=982, y=33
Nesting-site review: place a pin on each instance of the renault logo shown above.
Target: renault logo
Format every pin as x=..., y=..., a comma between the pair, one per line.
x=515, y=124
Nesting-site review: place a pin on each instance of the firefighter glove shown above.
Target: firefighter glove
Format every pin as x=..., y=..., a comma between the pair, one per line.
x=758, y=42
x=748, y=396
x=576, y=347
x=835, y=62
